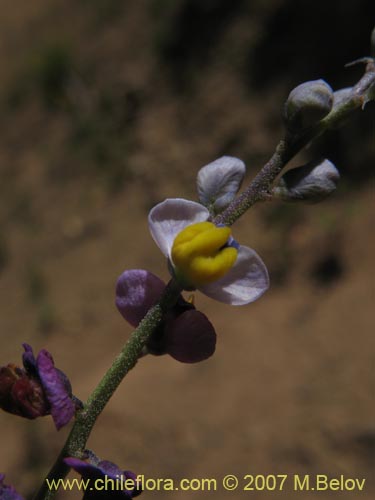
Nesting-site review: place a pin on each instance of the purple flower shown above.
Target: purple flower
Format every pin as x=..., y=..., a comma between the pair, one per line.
x=8, y=492
x=185, y=334
x=245, y=281
x=37, y=389
x=106, y=480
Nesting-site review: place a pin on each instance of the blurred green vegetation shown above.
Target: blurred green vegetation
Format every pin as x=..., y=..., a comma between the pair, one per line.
x=97, y=118
x=44, y=73
x=52, y=71
x=98, y=136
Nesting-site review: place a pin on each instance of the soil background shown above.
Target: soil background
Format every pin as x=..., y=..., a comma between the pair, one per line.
x=108, y=107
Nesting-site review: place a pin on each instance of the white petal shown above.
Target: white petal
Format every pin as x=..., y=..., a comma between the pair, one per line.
x=219, y=181
x=244, y=283
x=170, y=217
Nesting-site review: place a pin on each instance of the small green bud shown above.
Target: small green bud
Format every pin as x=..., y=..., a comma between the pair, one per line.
x=307, y=104
x=310, y=183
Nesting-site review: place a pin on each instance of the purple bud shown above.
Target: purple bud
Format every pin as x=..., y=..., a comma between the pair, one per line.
x=190, y=338
x=137, y=291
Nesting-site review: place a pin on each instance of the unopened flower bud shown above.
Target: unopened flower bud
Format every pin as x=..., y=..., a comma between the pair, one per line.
x=310, y=183
x=307, y=104
x=219, y=182
x=185, y=333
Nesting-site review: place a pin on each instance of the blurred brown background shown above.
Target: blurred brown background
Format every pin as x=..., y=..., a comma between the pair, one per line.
x=107, y=107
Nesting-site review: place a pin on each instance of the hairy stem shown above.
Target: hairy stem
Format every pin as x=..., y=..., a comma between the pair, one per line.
x=125, y=361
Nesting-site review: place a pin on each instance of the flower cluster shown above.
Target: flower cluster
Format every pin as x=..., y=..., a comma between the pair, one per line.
x=201, y=256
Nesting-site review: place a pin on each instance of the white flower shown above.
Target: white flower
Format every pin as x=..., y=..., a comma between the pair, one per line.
x=243, y=283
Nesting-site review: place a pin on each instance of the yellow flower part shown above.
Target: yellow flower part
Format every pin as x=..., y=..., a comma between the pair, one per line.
x=199, y=253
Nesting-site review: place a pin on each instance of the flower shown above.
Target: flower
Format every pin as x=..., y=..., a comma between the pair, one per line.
x=107, y=480
x=37, y=389
x=242, y=282
x=8, y=492
x=185, y=333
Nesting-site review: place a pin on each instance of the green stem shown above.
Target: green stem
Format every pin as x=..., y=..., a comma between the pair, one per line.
x=125, y=361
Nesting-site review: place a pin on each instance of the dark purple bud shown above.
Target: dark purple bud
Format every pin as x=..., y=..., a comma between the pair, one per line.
x=8, y=492
x=157, y=344
x=107, y=480
x=190, y=337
